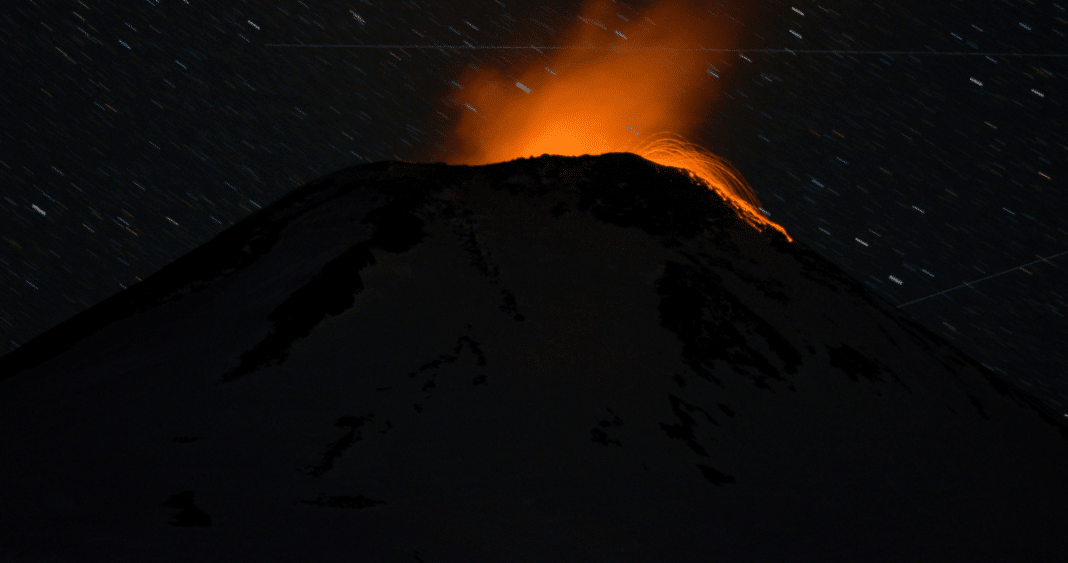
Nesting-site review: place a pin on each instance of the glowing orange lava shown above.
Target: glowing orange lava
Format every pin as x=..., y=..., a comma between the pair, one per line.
x=620, y=85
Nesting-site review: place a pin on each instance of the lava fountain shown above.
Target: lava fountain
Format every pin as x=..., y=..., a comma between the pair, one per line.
x=618, y=83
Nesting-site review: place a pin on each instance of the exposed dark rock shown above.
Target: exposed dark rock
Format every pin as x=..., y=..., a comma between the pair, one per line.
x=189, y=515
x=764, y=406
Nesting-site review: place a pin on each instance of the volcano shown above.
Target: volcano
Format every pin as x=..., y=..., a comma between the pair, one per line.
x=550, y=359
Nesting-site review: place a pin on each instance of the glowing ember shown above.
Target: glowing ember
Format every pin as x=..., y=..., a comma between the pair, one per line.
x=713, y=171
x=621, y=84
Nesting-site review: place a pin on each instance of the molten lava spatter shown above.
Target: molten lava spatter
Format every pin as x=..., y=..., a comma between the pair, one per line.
x=712, y=171
x=620, y=84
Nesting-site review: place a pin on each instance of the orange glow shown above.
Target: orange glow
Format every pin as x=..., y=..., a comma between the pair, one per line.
x=714, y=172
x=624, y=83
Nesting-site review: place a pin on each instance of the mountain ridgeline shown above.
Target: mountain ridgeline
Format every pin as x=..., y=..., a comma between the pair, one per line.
x=556, y=358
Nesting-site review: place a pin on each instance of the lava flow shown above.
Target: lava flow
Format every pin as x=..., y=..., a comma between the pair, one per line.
x=618, y=84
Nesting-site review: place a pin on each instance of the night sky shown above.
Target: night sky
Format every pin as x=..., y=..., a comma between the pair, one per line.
x=928, y=151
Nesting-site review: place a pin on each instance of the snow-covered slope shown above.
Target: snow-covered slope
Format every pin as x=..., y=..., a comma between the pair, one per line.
x=552, y=359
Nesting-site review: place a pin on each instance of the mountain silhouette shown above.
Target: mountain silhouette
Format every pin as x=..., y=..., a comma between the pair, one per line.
x=550, y=359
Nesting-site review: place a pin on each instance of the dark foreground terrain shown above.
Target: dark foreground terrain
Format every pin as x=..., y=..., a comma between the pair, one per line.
x=553, y=359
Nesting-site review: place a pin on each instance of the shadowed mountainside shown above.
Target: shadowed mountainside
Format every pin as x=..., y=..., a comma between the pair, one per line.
x=559, y=358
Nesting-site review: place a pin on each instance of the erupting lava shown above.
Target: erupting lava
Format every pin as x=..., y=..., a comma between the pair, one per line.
x=621, y=84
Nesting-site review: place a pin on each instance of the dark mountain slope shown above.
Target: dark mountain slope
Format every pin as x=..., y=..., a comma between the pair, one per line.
x=565, y=359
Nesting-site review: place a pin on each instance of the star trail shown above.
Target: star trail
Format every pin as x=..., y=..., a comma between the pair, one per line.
x=132, y=132
x=696, y=49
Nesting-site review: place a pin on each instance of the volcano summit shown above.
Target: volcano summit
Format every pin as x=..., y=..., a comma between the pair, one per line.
x=550, y=359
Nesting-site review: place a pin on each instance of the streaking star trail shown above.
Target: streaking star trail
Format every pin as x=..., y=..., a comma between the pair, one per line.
x=973, y=282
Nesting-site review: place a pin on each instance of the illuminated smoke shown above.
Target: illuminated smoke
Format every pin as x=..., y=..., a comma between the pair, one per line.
x=624, y=84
